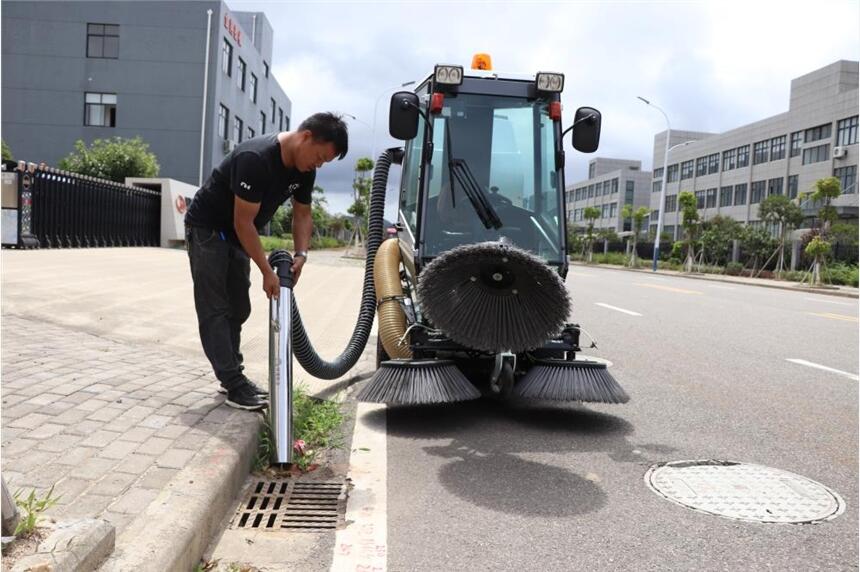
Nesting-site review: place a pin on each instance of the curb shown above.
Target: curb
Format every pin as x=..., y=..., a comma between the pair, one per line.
x=802, y=289
x=174, y=530
x=74, y=546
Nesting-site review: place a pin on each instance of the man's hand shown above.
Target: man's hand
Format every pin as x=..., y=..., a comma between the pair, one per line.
x=271, y=284
x=298, y=263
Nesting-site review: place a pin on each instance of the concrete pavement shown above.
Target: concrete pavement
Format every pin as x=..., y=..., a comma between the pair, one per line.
x=107, y=395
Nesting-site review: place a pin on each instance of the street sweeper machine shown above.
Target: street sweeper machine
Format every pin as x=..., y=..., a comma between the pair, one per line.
x=470, y=295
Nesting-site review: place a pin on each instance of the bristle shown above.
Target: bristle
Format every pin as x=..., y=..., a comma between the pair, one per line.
x=418, y=382
x=571, y=381
x=457, y=297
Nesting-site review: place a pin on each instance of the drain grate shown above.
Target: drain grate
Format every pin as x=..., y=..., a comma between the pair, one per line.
x=292, y=504
x=743, y=491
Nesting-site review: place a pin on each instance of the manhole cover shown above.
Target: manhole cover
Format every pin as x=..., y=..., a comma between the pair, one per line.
x=744, y=492
x=291, y=504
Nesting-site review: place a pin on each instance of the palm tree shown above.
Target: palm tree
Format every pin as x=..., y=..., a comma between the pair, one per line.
x=590, y=214
x=639, y=217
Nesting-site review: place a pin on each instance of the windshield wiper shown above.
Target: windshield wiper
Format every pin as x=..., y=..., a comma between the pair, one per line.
x=459, y=169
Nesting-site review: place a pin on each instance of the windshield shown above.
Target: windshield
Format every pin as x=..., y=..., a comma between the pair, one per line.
x=506, y=146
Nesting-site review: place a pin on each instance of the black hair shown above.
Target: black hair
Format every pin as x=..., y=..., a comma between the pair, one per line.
x=328, y=128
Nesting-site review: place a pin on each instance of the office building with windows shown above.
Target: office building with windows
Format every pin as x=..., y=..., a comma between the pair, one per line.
x=93, y=70
x=731, y=173
x=611, y=184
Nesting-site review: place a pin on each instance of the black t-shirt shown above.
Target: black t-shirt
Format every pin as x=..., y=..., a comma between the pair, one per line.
x=253, y=171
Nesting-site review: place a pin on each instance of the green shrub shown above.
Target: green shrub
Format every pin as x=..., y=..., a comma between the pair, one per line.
x=7, y=152
x=114, y=159
x=734, y=268
x=842, y=274
x=271, y=243
x=793, y=275
x=618, y=258
x=325, y=242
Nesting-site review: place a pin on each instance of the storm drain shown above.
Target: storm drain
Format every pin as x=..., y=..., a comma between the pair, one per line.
x=292, y=504
x=743, y=491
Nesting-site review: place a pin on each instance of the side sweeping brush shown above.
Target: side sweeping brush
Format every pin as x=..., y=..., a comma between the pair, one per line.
x=417, y=382
x=570, y=381
x=494, y=297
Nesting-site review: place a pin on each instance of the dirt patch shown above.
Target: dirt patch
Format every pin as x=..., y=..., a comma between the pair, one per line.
x=21, y=547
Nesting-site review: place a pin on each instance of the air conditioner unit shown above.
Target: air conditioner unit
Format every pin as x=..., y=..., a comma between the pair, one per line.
x=840, y=152
x=229, y=145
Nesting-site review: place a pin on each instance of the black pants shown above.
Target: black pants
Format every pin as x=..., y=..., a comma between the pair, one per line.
x=221, y=274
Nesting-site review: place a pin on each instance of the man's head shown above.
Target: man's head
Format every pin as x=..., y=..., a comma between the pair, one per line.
x=321, y=138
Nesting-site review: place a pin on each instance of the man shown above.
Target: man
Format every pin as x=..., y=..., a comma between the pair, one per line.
x=222, y=236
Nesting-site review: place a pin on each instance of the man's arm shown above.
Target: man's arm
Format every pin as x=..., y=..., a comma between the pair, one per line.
x=244, y=213
x=303, y=227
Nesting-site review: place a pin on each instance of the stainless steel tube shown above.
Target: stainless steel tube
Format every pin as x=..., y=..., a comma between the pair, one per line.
x=281, y=376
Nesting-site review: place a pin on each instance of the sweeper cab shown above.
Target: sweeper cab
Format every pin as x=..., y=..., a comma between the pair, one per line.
x=470, y=294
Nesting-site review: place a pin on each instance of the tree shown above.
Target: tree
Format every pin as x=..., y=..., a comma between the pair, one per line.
x=781, y=210
x=361, y=186
x=689, y=222
x=757, y=244
x=640, y=217
x=717, y=236
x=818, y=248
x=113, y=159
x=590, y=214
x=826, y=190
x=7, y=152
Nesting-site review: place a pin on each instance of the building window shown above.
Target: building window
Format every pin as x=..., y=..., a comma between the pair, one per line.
x=251, y=133
x=729, y=159
x=774, y=187
x=816, y=133
x=280, y=119
x=687, y=170
x=604, y=211
x=846, y=131
x=628, y=196
x=712, y=198
x=671, y=203
x=794, y=144
x=591, y=171
x=701, y=166
x=672, y=173
x=847, y=177
x=227, y=58
x=741, y=194
x=700, y=199
x=743, y=156
x=273, y=111
x=757, y=191
x=669, y=230
x=286, y=123
x=656, y=186
x=265, y=69
x=223, y=119
x=613, y=210
x=590, y=191
x=760, y=153
x=713, y=163
x=777, y=148
x=792, y=186
x=103, y=41
x=816, y=154
x=577, y=195
x=726, y=196
x=262, y=123
x=614, y=186
x=253, y=87
x=604, y=186
x=658, y=173
x=100, y=109
x=241, y=67
x=237, y=129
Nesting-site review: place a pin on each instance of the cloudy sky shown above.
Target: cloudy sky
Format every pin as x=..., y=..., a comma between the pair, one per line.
x=712, y=66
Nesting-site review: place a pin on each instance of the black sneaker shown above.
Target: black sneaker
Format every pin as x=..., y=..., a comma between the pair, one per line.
x=243, y=397
x=257, y=389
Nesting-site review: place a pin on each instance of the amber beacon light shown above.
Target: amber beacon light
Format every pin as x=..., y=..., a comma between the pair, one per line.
x=482, y=62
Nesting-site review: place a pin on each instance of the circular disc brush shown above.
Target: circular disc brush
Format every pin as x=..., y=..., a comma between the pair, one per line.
x=403, y=381
x=570, y=381
x=494, y=297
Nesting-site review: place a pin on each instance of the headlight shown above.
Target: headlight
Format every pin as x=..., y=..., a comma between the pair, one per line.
x=448, y=75
x=551, y=82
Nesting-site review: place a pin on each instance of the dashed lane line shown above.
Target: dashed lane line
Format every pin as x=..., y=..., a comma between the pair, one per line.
x=853, y=376
x=617, y=309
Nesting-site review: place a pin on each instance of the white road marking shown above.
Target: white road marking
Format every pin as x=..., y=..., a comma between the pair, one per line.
x=830, y=301
x=363, y=543
x=824, y=367
x=617, y=309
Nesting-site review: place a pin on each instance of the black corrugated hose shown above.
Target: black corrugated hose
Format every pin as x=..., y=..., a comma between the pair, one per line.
x=302, y=347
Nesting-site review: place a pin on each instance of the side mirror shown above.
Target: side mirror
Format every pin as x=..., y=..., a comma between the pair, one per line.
x=586, y=130
x=403, y=115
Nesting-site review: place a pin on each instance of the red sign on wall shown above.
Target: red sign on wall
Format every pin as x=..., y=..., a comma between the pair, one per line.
x=233, y=29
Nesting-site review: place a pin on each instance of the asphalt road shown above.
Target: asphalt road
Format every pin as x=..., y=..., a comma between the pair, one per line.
x=489, y=486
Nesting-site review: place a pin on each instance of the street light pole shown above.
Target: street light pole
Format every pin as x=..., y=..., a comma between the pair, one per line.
x=375, y=106
x=662, y=187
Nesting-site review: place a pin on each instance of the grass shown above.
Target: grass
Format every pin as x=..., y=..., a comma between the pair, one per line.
x=316, y=423
x=271, y=243
x=31, y=508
